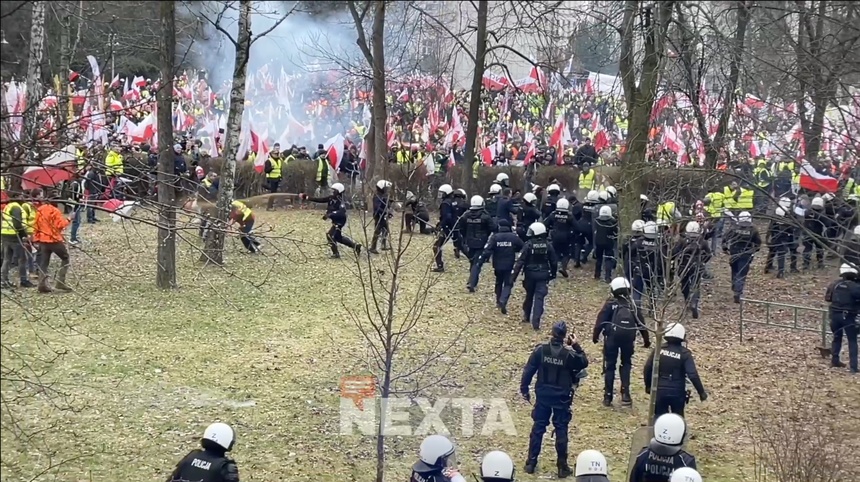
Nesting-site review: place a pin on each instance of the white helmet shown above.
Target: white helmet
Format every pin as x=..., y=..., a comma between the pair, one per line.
x=497, y=465
x=495, y=188
x=529, y=197
x=604, y=212
x=603, y=196
x=590, y=462
x=338, y=187
x=619, y=283
x=592, y=196
x=553, y=188
x=461, y=192
x=846, y=269
x=638, y=226
x=383, y=184
x=779, y=212
x=435, y=450
x=410, y=195
x=744, y=217
x=221, y=434
x=643, y=197
x=536, y=229
x=693, y=228
x=677, y=330
x=784, y=202
x=562, y=204
x=446, y=189
x=857, y=230
x=817, y=202
x=670, y=429
x=611, y=190
x=685, y=474
x=501, y=177
x=476, y=202
x=828, y=196
x=650, y=228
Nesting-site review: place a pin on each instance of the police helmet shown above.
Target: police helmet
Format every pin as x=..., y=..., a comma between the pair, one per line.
x=529, y=198
x=650, y=229
x=497, y=466
x=383, y=184
x=619, y=283
x=477, y=202
x=638, y=226
x=670, y=429
x=536, y=229
x=502, y=178
x=784, y=202
x=643, y=197
x=611, y=190
x=338, y=188
x=446, y=189
x=559, y=329
x=221, y=434
x=495, y=188
x=857, y=231
x=603, y=196
x=604, y=212
x=410, y=196
x=693, y=228
x=677, y=330
x=435, y=451
x=460, y=192
x=590, y=462
x=817, y=203
x=847, y=269
x=744, y=217
x=562, y=204
x=592, y=196
x=828, y=196
x=553, y=188
x=685, y=474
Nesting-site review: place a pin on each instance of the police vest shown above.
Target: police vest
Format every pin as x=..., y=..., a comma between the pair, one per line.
x=476, y=232
x=729, y=198
x=7, y=227
x=552, y=367
x=586, y=181
x=671, y=372
x=561, y=221
x=745, y=200
x=666, y=211
x=201, y=466
x=276, y=168
x=658, y=468
x=538, y=256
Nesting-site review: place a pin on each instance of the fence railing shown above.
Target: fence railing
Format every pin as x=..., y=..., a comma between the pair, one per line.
x=781, y=315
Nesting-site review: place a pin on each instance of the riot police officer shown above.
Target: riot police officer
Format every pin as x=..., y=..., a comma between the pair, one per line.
x=815, y=224
x=210, y=464
x=629, y=259
x=502, y=180
x=779, y=239
x=445, y=228
x=690, y=257
x=476, y=226
x=435, y=459
x=585, y=229
x=460, y=206
x=336, y=213
x=651, y=257
x=664, y=454
x=741, y=243
x=503, y=246
x=618, y=322
x=493, y=200
x=418, y=214
x=381, y=214
x=844, y=298
x=552, y=192
x=605, y=239
x=528, y=214
x=686, y=474
x=506, y=207
x=539, y=263
x=562, y=230
x=558, y=365
x=591, y=466
x=497, y=466
x=676, y=366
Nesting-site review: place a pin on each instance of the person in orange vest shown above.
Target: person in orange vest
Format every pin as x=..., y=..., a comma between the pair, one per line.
x=48, y=234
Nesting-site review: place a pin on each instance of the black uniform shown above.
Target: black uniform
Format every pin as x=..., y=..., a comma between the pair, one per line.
x=528, y=214
x=492, y=205
x=844, y=298
x=460, y=206
x=676, y=365
x=651, y=257
x=539, y=263
x=381, y=214
x=506, y=209
x=656, y=463
x=815, y=223
x=476, y=226
x=561, y=226
x=741, y=243
x=605, y=239
x=445, y=228
x=503, y=246
x=548, y=205
x=205, y=466
x=780, y=239
x=690, y=257
x=584, y=242
x=335, y=212
x=618, y=322
x=419, y=215
x=558, y=368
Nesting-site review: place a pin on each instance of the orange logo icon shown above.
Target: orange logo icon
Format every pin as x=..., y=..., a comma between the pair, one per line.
x=357, y=388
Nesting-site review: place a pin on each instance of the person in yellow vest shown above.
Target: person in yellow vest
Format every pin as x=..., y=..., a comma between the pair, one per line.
x=714, y=204
x=113, y=168
x=852, y=187
x=781, y=165
x=764, y=182
x=30, y=225
x=668, y=213
x=476, y=168
x=321, y=171
x=274, y=173
x=14, y=239
x=746, y=199
x=80, y=157
x=243, y=216
x=731, y=193
x=586, y=178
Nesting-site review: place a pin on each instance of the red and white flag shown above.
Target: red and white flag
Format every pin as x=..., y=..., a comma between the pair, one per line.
x=812, y=180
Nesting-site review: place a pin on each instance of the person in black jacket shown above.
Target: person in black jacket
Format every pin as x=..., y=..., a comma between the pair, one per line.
x=210, y=464
x=552, y=193
x=851, y=248
x=418, y=215
x=562, y=231
x=527, y=214
x=690, y=257
x=742, y=242
x=336, y=213
x=605, y=240
x=460, y=206
x=381, y=215
x=539, y=262
x=676, y=366
x=585, y=153
x=815, y=223
x=664, y=454
x=506, y=207
x=559, y=366
x=445, y=228
x=618, y=322
x=844, y=298
x=476, y=226
x=503, y=247
x=779, y=239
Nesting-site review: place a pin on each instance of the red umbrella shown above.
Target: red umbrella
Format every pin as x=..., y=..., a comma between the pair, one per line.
x=59, y=167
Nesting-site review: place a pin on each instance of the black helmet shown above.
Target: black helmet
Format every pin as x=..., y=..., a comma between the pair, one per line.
x=559, y=330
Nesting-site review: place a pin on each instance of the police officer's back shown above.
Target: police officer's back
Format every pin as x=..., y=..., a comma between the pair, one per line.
x=528, y=214
x=844, y=298
x=552, y=192
x=210, y=464
x=503, y=247
x=506, y=207
x=676, y=366
x=664, y=454
x=476, y=226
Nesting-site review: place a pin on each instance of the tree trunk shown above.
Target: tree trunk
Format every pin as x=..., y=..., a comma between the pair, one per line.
x=380, y=433
x=165, y=277
x=30, y=131
x=63, y=99
x=475, y=101
x=655, y=369
x=213, y=252
x=379, y=109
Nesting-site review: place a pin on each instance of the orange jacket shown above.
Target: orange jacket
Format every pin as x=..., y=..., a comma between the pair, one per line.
x=50, y=224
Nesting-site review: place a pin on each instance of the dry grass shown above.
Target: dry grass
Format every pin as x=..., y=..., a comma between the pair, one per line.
x=147, y=370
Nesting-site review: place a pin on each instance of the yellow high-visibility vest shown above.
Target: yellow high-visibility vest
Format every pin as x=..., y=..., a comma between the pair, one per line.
x=276, y=169
x=242, y=208
x=666, y=211
x=7, y=227
x=113, y=164
x=586, y=181
x=745, y=200
x=322, y=169
x=729, y=198
x=715, y=207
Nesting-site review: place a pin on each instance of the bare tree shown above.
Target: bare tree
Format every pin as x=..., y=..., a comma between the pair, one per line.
x=34, y=73
x=166, y=266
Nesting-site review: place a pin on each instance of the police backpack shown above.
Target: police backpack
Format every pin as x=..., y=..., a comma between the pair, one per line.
x=623, y=326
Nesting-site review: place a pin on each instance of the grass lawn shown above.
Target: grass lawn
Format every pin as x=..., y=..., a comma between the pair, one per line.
x=263, y=343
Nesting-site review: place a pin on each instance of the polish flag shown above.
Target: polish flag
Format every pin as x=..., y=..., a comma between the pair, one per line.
x=810, y=179
x=334, y=152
